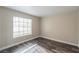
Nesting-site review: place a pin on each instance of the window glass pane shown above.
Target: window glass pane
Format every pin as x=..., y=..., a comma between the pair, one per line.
x=29, y=20
x=25, y=29
x=15, y=29
x=16, y=34
x=25, y=25
x=21, y=20
x=15, y=19
x=21, y=24
x=20, y=28
x=20, y=33
x=25, y=20
x=15, y=24
x=29, y=28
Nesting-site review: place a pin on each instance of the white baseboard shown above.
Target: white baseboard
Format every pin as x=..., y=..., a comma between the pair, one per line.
x=60, y=41
x=17, y=43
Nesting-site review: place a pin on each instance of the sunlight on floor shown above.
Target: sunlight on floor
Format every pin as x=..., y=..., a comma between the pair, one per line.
x=34, y=49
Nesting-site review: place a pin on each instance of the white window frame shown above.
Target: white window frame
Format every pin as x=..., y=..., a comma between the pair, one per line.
x=21, y=26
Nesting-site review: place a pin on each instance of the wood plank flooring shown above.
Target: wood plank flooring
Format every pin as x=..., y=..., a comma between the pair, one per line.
x=42, y=45
x=57, y=47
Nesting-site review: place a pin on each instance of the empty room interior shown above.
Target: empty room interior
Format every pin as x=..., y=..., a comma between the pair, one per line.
x=39, y=29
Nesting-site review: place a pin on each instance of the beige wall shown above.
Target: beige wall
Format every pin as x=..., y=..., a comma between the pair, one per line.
x=6, y=27
x=61, y=27
x=78, y=27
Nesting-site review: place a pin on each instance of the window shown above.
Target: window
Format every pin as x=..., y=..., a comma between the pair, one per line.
x=21, y=26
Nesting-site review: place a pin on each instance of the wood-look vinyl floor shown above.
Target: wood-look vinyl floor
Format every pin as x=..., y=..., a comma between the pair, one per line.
x=42, y=45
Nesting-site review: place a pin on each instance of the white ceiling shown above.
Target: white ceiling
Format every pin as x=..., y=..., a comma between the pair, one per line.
x=43, y=11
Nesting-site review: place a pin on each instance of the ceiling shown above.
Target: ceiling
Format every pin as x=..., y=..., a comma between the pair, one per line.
x=43, y=11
